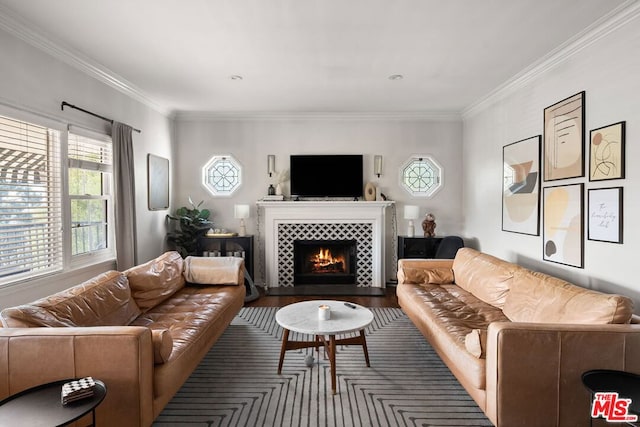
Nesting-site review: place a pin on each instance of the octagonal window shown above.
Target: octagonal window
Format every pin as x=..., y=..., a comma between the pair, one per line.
x=421, y=176
x=222, y=175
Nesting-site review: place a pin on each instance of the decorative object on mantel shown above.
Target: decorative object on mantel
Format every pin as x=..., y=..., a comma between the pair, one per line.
x=606, y=152
x=280, y=180
x=192, y=223
x=429, y=225
x=411, y=212
x=369, y=192
x=271, y=164
x=272, y=190
x=273, y=198
x=241, y=212
x=377, y=165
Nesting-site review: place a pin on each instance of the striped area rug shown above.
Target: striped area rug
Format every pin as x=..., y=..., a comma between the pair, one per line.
x=237, y=385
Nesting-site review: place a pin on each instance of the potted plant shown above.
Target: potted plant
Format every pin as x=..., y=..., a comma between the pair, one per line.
x=192, y=223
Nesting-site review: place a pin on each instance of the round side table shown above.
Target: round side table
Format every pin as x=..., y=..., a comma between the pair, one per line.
x=42, y=406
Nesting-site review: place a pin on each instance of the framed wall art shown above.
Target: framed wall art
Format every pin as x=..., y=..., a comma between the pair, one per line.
x=563, y=228
x=605, y=214
x=606, y=152
x=158, y=182
x=564, y=138
x=521, y=186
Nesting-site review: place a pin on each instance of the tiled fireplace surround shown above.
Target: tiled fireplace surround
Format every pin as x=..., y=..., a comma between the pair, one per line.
x=362, y=221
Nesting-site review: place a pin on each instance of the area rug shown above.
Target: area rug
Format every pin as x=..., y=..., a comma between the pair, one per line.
x=237, y=385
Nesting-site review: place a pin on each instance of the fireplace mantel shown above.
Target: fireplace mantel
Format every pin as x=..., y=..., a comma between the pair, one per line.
x=356, y=219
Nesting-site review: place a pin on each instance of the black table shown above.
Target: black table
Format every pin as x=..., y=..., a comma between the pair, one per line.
x=42, y=406
x=626, y=384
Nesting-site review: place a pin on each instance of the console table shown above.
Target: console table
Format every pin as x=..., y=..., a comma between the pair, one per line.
x=424, y=247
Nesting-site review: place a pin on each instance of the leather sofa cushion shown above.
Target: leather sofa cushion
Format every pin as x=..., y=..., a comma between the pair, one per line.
x=436, y=276
x=156, y=280
x=537, y=297
x=162, y=345
x=485, y=276
x=104, y=300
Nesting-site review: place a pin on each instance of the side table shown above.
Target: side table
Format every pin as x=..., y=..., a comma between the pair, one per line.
x=626, y=384
x=42, y=406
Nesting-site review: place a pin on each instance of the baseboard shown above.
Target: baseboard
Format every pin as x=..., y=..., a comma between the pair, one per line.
x=326, y=290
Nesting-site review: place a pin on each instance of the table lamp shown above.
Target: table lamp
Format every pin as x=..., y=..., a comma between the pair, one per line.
x=411, y=212
x=241, y=212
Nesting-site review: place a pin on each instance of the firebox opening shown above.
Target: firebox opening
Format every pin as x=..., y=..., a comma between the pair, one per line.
x=324, y=261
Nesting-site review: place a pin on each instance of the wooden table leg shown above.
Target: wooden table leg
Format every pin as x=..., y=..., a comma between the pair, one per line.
x=364, y=347
x=283, y=349
x=332, y=361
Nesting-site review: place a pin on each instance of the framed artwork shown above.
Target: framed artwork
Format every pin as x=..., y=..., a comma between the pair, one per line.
x=605, y=214
x=563, y=224
x=606, y=152
x=521, y=186
x=564, y=138
x=158, y=182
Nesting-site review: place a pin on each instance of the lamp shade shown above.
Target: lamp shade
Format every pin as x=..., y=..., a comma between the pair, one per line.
x=241, y=211
x=411, y=212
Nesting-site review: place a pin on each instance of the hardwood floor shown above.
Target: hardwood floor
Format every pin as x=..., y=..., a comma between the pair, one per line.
x=388, y=300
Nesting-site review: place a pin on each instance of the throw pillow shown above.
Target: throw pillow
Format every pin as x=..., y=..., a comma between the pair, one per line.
x=476, y=342
x=162, y=345
x=213, y=270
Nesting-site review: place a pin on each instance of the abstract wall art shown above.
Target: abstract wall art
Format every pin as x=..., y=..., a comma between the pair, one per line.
x=157, y=182
x=521, y=186
x=605, y=214
x=606, y=152
x=563, y=224
x=564, y=138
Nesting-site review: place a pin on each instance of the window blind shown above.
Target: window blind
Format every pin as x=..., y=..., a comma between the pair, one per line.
x=30, y=200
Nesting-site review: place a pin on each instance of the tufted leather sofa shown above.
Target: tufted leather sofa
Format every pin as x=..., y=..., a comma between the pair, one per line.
x=142, y=332
x=518, y=340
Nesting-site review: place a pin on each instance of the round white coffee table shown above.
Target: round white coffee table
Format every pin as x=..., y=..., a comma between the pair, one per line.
x=303, y=317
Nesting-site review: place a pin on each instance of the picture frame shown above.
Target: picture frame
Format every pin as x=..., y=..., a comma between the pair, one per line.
x=605, y=214
x=564, y=138
x=521, y=186
x=563, y=228
x=606, y=152
x=157, y=182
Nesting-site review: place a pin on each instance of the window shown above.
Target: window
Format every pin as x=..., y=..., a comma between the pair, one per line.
x=421, y=176
x=222, y=175
x=30, y=200
x=50, y=181
x=90, y=178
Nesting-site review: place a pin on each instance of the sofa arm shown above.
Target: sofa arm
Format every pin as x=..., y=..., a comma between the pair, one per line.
x=120, y=356
x=534, y=370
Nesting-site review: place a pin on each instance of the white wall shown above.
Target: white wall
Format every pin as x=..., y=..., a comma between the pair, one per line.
x=608, y=70
x=251, y=140
x=36, y=82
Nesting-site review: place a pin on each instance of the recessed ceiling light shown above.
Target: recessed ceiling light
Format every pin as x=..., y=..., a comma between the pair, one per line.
x=236, y=77
x=396, y=77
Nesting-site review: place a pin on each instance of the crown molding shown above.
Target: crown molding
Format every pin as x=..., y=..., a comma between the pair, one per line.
x=431, y=116
x=609, y=23
x=15, y=25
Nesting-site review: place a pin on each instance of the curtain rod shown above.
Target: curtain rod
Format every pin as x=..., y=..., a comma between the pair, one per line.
x=66, y=104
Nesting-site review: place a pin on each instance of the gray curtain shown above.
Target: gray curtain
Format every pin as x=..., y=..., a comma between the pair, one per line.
x=124, y=194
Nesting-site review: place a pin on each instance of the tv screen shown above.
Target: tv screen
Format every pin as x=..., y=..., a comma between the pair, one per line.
x=334, y=175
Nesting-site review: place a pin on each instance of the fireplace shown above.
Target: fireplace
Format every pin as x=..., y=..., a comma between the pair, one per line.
x=324, y=262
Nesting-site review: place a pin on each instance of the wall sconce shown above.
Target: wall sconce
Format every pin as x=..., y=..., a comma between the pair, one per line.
x=411, y=212
x=271, y=164
x=241, y=212
x=377, y=165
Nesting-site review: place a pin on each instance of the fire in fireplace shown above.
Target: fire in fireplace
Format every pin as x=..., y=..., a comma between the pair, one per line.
x=324, y=261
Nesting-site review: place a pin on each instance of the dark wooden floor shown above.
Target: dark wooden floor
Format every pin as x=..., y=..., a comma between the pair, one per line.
x=388, y=300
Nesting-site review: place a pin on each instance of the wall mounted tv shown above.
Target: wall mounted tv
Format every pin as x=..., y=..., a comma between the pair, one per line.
x=328, y=175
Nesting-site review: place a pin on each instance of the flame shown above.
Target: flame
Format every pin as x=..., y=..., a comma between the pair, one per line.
x=324, y=258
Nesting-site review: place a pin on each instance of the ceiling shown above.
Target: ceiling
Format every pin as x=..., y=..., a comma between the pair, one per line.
x=310, y=56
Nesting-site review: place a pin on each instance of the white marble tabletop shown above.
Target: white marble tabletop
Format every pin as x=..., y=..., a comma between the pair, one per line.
x=303, y=317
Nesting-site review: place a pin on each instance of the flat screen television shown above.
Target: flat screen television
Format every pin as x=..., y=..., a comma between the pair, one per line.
x=326, y=175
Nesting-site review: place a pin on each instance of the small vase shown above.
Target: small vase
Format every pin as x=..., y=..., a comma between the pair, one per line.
x=278, y=189
x=271, y=191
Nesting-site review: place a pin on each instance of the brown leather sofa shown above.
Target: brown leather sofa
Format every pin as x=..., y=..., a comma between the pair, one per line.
x=142, y=332
x=518, y=340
